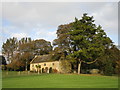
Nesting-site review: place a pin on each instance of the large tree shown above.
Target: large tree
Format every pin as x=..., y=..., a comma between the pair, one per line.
x=63, y=38
x=26, y=49
x=88, y=40
x=9, y=47
x=62, y=46
x=25, y=45
x=42, y=46
x=82, y=40
x=29, y=48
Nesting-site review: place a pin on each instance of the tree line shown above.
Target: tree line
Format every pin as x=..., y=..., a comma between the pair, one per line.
x=19, y=53
x=82, y=43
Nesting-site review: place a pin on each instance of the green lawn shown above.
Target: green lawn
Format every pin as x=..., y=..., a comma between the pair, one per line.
x=58, y=81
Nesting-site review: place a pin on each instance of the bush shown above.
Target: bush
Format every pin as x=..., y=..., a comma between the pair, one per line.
x=4, y=67
x=117, y=68
x=108, y=70
x=15, y=66
x=65, y=66
x=54, y=70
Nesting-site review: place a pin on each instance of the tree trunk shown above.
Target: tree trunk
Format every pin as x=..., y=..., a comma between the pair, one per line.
x=26, y=66
x=79, y=67
x=8, y=58
x=38, y=71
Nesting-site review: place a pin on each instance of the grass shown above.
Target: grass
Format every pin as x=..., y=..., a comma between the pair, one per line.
x=14, y=80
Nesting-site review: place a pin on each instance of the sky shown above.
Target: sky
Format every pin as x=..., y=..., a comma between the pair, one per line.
x=40, y=20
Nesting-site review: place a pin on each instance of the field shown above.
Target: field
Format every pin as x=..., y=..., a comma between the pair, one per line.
x=17, y=80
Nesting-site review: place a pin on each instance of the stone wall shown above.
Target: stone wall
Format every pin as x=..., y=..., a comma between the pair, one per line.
x=45, y=66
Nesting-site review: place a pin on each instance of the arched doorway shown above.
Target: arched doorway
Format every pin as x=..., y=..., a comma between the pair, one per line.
x=46, y=69
x=50, y=70
x=43, y=71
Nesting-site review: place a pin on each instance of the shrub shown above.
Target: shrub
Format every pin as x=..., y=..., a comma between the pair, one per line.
x=117, y=68
x=65, y=66
x=54, y=70
x=3, y=67
x=108, y=70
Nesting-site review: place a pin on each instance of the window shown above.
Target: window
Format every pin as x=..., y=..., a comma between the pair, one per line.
x=44, y=64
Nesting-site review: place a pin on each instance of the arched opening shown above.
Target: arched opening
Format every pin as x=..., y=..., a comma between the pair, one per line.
x=46, y=69
x=50, y=70
x=43, y=71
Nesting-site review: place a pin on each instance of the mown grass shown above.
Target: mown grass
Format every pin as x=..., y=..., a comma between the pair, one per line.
x=15, y=80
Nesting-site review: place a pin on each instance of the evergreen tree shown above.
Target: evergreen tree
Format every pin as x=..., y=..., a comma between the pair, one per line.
x=88, y=40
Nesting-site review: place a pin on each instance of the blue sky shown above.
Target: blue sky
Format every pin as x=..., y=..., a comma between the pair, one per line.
x=40, y=20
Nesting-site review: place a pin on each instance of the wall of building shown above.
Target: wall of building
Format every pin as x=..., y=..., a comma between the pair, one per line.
x=54, y=65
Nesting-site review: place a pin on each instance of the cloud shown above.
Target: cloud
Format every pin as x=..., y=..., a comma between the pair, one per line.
x=107, y=17
x=44, y=33
x=40, y=20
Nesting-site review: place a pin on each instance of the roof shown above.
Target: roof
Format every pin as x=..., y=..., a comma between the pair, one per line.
x=41, y=58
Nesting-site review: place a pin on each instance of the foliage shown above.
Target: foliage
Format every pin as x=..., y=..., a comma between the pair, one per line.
x=2, y=60
x=108, y=68
x=65, y=66
x=25, y=45
x=62, y=43
x=24, y=50
x=9, y=47
x=82, y=40
x=88, y=40
x=38, y=68
x=56, y=54
x=15, y=66
x=54, y=70
x=42, y=46
x=3, y=67
x=108, y=63
x=117, y=70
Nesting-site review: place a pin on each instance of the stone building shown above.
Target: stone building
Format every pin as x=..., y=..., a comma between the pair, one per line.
x=46, y=65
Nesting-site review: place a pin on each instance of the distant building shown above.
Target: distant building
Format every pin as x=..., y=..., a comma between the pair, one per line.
x=46, y=65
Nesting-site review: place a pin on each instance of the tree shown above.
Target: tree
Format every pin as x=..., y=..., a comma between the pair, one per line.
x=26, y=57
x=118, y=67
x=38, y=68
x=26, y=49
x=42, y=46
x=63, y=38
x=15, y=65
x=109, y=62
x=65, y=66
x=9, y=47
x=25, y=45
x=82, y=40
x=88, y=40
x=2, y=60
x=56, y=54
